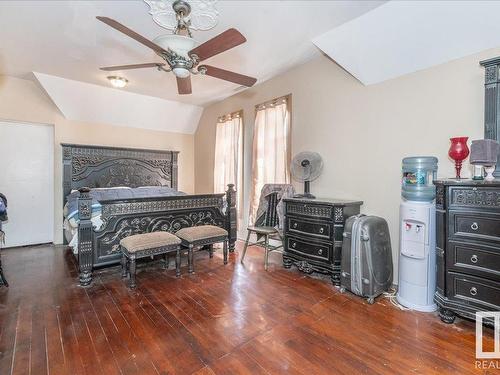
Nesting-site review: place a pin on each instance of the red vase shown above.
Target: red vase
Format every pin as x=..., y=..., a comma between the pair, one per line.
x=458, y=152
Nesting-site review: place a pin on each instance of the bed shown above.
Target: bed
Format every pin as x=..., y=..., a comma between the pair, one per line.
x=125, y=209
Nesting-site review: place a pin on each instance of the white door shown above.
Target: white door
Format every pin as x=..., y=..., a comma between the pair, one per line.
x=27, y=180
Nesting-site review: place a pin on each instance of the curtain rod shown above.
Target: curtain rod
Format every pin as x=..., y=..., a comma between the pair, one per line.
x=230, y=116
x=273, y=102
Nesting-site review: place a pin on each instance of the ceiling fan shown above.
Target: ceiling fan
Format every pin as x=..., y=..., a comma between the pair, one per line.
x=181, y=52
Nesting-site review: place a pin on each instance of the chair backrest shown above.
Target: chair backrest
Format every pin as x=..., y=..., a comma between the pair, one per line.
x=267, y=213
x=272, y=218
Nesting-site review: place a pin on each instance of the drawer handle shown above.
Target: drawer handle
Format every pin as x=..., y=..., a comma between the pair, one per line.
x=294, y=244
x=474, y=226
x=295, y=225
x=473, y=291
x=321, y=230
x=473, y=258
x=320, y=251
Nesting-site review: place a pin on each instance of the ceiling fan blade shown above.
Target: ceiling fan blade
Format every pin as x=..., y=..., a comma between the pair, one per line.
x=131, y=33
x=133, y=66
x=184, y=85
x=222, y=42
x=228, y=76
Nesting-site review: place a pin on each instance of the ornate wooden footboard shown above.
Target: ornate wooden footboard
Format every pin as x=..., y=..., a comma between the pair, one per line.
x=123, y=218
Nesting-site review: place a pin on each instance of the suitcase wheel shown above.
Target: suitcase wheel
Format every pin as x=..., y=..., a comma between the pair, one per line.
x=371, y=300
x=342, y=290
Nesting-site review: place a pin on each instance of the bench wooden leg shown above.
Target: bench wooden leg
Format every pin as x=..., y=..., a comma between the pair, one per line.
x=190, y=259
x=178, y=263
x=124, y=266
x=224, y=249
x=167, y=260
x=132, y=283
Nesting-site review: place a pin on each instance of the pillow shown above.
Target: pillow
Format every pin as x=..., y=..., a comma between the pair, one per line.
x=105, y=188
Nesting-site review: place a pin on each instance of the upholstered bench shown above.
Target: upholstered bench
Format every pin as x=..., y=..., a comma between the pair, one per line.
x=202, y=235
x=148, y=244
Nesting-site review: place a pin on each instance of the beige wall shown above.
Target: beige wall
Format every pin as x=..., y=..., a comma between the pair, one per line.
x=24, y=101
x=362, y=132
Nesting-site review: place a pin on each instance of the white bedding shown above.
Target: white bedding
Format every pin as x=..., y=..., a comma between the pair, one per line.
x=71, y=230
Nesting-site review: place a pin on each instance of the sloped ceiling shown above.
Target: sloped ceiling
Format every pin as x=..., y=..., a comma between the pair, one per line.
x=373, y=40
x=402, y=37
x=86, y=102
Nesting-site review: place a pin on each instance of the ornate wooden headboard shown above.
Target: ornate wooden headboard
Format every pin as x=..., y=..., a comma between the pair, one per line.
x=100, y=166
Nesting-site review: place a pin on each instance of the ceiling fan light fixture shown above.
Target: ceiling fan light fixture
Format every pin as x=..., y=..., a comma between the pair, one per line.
x=118, y=82
x=182, y=53
x=181, y=72
x=180, y=44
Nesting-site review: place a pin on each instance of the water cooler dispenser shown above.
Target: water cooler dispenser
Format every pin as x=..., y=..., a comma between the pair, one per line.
x=417, y=258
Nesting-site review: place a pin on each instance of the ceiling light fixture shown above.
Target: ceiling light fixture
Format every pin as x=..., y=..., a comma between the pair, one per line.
x=118, y=82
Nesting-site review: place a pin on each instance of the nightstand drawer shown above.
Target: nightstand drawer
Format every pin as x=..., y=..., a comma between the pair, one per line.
x=474, y=290
x=310, y=227
x=314, y=250
x=474, y=225
x=480, y=260
x=309, y=209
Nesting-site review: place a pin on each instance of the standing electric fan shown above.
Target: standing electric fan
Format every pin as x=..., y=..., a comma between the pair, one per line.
x=306, y=167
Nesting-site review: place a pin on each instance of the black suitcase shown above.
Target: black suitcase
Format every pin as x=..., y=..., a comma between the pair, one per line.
x=366, y=265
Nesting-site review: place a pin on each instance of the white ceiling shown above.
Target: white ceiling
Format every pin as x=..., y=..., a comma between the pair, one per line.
x=91, y=103
x=63, y=38
x=402, y=37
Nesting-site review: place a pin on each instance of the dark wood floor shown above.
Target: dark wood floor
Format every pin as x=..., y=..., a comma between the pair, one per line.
x=230, y=319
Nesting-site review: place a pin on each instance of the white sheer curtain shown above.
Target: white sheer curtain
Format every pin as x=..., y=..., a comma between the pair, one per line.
x=229, y=156
x=271, y=148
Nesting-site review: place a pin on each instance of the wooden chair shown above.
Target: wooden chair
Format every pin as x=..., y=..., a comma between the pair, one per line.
x=266, y=226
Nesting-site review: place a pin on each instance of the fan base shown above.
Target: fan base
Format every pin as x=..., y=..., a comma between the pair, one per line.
x=306, y=195
x=181, y=6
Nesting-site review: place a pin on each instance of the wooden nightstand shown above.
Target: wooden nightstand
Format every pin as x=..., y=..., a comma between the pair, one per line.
x=313, y=231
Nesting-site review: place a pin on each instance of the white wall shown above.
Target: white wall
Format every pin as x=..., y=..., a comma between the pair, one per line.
x=362, y=132
x=27, y=180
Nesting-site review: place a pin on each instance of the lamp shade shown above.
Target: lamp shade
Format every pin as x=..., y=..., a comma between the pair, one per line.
x=484, y=152
x=180, y=44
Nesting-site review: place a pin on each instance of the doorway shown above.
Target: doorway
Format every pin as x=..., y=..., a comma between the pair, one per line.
x=27, y=180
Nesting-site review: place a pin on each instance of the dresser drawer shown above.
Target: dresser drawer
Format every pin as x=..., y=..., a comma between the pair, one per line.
x=309, y=209
x=474, y=225
x=473, y=290
x=310, y=249
x=471, y=197
x=302, y=226
x=480, y=260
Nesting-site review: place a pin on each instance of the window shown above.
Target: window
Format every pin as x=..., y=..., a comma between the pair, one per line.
x=229, y=156
x=271, y=148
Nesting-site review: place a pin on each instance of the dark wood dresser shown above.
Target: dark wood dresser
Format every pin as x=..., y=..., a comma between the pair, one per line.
x=313, y=234
x=467, y=247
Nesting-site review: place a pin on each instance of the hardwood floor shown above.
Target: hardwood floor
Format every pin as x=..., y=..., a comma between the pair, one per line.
x=234, y=319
